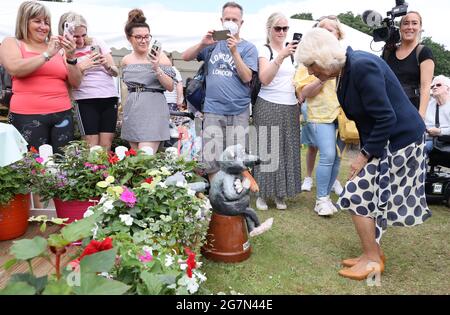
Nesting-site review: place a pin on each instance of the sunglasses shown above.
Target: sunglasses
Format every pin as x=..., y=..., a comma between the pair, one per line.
x=281, y=28
x=329, y=17
x=436, y=85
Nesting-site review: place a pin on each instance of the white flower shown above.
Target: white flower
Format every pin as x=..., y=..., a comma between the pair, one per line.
x=191, y=192
x=169, y=261
x=107, y=205
x=183, y=265
x=96, y=148
x=127, y=219
x=191, y=284
x=162, y=184
x=106, y=275
x=171, y=152
x=88, y=213
x=94, y=231
x=201, y=277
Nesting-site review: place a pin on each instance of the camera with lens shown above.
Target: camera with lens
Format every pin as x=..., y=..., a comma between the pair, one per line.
x=386, y=30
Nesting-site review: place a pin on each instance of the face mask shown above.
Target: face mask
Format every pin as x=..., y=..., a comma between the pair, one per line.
x=231, y=26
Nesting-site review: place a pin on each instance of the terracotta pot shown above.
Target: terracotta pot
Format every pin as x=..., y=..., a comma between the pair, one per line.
x=14, y=217
x=73, y=209
x=227, y=239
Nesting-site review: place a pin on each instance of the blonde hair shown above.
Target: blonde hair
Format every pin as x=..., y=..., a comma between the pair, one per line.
x=273, y=18
x=419, y=36
x=336, y=24
x=320, y=47
x=78, y=21
x=29, y=10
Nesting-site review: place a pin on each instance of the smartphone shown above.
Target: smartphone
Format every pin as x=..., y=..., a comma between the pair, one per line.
x=155, y=47
x=297, y=37
x=96, y=49
x=69, y=30
x=220, y=35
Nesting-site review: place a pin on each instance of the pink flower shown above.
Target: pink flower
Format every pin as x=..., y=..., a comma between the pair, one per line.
x=39, y=160
x=128, y=197
x=146, y=258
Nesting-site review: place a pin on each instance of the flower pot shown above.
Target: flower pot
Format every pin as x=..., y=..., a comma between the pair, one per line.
x=227, y=239
x=73, y=209
x=14, y=217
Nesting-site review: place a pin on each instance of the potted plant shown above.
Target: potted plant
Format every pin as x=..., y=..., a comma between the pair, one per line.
x=70, y=179
x=15, y=180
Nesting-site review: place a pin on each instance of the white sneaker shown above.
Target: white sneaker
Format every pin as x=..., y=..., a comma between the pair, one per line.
x=335, y=210
x=307, y=184
x=337, y=188
x=324, y=206
x=261, y=204
x=280, y=203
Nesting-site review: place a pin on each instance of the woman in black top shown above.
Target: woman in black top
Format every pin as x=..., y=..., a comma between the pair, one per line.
x=412, y=63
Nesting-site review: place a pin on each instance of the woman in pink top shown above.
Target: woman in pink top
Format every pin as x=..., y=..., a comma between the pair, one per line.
x=97, y=95
x=40, y=65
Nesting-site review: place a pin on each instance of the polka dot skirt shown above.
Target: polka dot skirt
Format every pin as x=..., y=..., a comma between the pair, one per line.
x=390, y=189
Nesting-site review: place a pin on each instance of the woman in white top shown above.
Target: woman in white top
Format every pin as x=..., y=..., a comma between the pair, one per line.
x=276, y=117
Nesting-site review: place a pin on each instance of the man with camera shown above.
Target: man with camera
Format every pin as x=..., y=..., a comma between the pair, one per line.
x=231, y=64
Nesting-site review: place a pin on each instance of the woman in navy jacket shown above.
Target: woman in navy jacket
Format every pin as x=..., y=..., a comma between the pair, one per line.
x=386, y=184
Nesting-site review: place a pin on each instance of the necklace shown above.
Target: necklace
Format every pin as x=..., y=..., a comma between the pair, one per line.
x=338, y=81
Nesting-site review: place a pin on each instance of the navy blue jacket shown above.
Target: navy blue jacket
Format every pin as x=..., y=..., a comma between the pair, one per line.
x=371, y=95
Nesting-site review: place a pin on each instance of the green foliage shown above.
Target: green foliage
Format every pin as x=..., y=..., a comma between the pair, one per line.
x=16, y=178
x=303, y=16
x=74, y=174
x=441, y=56
x=18, y=288
x=28, y=249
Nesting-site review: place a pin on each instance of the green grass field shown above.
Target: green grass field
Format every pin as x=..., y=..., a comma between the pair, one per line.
x=301, y=254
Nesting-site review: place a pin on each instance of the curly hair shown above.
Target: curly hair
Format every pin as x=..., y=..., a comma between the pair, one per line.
x=136, y=18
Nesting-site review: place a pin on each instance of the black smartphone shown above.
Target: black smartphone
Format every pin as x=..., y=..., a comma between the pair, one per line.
x=220, y=35
x=297, y=37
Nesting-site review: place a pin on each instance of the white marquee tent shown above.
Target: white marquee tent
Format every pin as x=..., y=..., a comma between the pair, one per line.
x=176, y=30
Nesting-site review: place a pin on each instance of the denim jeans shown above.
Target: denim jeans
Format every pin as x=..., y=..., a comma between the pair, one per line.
x=329, y=161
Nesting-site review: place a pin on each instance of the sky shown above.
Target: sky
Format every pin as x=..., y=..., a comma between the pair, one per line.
x=434, y=12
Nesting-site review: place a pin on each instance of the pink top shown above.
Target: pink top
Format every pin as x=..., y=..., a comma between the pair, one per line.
x=44, y=91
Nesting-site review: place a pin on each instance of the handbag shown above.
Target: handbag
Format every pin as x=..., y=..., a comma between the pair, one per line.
x=347, y=130
x=196, y=87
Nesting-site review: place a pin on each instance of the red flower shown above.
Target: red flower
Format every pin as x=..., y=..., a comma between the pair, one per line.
x=191, y=263
x=149, y=180
x=33, y=150
x=96, y=246
x=130, y=152
x=113, y=158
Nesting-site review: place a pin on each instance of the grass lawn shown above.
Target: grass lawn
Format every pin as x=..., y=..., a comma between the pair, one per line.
x=301, y=254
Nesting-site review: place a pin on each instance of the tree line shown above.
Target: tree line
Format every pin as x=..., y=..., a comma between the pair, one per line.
x=441, y=55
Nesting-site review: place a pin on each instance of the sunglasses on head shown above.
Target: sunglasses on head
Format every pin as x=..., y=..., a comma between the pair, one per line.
x=281, y=28
x=329, y=17
x=436, y=85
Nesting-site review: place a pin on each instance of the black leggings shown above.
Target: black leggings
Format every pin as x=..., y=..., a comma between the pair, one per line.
x=55, y=129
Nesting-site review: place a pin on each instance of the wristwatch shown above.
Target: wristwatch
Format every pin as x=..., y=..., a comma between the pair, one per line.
x=72, y=61
x=46, y=56
x=366, y=154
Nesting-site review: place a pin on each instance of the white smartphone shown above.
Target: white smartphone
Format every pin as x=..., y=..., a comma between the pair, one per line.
x=69, y=30
x=155, y=47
